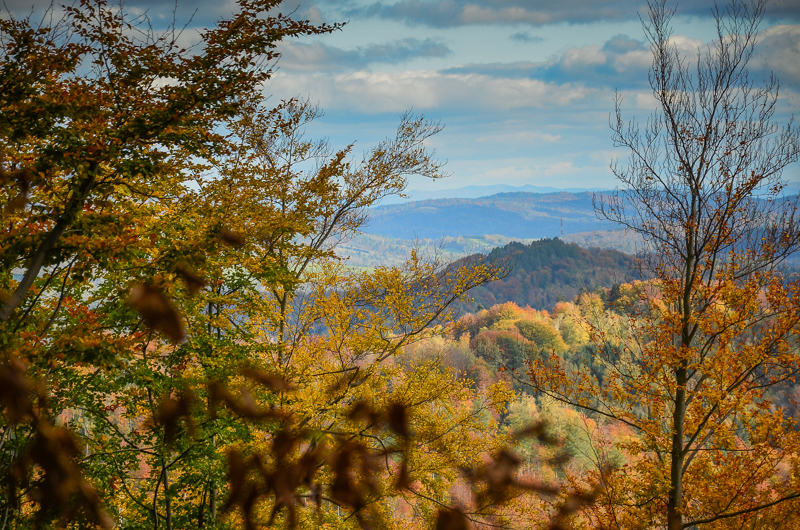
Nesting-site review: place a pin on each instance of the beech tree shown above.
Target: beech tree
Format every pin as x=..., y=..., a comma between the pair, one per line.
x=182, y=349
x=280, y=303
x=99, y=114
x=694, y=375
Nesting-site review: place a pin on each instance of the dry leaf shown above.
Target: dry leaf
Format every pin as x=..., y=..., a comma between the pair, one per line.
x=232, y=238
x=194, y=282
x=271, y=381
x=157, y=311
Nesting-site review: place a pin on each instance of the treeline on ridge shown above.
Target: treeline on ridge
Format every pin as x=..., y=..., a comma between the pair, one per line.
x=548, y=271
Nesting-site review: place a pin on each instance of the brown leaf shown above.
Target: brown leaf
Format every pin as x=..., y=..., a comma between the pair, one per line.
x=447, y=519
x=232, y=238
x=538, y=487
x=18, y=202
x=271, y=381
x=16, y=391
x=345, y=489
x=193, y=281
x=539, y=431
x=237, y=473
x=60, y=487
x=560, y=459
x=244, y=405
x=171, y=410
x=361, y=411
x=343, y=382
x=398, y=420
x=403, y=479
x=157, y=311
x=571, y=505
x=283, y=443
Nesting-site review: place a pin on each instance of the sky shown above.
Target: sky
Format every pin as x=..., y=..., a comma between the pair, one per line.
x=524, y=88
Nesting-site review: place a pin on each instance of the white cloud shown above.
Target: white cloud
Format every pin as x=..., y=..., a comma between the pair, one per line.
x=576, y=58
x=633, y=61
x=378, y=92
x=686, y=46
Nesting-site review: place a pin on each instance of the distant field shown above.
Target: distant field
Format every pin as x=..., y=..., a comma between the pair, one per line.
x=370, y=250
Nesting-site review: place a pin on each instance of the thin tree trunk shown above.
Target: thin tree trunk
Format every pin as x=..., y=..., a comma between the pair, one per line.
x=213, y=493
x=74, y=205
x=167, y=500
x=155, y=503
x=201, y=514
x=213, y=505
x=5, y=515
x=674, y=516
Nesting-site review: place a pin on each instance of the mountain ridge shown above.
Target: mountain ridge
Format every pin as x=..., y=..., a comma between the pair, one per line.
x=514, y=214
x=475, y=191
x=547, y=271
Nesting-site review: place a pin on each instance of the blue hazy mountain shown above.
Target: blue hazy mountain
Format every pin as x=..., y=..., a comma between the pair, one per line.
x=472, y=192
x=518, y=215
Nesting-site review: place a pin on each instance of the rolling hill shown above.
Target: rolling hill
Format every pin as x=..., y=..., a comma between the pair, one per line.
x=514, y=215
x=550, y=270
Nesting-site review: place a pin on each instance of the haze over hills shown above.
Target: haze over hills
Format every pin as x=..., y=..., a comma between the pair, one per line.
x=473, y=192
x=455, y=227
x=516, y=215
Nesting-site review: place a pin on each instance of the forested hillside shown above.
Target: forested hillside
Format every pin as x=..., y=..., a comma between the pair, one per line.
x=621, y=240
x=548, y=271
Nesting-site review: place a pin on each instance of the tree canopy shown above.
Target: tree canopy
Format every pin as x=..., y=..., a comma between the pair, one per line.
x=692, y=370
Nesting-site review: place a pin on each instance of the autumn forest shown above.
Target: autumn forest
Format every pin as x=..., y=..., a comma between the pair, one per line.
x=184, y=342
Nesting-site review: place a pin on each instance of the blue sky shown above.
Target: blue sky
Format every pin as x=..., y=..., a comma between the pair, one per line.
x=523, y=87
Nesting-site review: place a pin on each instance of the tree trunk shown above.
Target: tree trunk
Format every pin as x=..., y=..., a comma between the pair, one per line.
x=213, y=494
x=74, y=205
x=213, y=506
x=167, y=500
x=674, y=516
x=201, y=514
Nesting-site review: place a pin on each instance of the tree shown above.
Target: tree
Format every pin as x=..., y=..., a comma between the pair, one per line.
x=71, y=139
x=695, y=371
x=138, y=290
x=281, y=303
x=99, y=116
x=156, y=317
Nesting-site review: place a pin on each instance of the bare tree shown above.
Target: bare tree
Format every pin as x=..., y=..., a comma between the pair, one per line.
x=697, y=374
x=703, y=188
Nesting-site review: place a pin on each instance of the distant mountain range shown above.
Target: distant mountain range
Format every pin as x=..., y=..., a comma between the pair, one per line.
x=462, y=225
x=518, y=215
x=473, y=192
